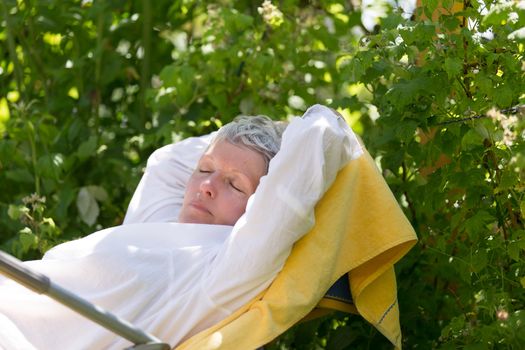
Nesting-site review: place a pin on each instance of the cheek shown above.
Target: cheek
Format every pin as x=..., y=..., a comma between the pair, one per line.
x=235, y=208
x=191, y=185
x=191, y=188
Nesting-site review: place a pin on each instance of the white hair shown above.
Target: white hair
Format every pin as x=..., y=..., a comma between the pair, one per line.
x=258, y=133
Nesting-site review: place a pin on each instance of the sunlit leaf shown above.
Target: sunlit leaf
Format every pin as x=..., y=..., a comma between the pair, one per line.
x=87, y=206
x=4, y=114
x=15, y=212
x=98, y=192
x=73, y=93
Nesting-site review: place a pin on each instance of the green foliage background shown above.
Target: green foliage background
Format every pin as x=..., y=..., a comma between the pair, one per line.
x=88, y=89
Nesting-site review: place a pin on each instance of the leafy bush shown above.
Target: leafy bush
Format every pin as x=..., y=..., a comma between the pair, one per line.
x=450, y=142
x=90, y=89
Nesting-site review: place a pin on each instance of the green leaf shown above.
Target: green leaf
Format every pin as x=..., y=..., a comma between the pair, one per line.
x=513, y=250
x=454, y=327
x=169, y=75
x=406, y=130
x=66, y=195
x=48, y=228
x=185, y=87
x=451, y=22
x=430, y=7
x=234, y=20
x=484, y=83
x=453, y=66
x=242, y=21
x=28, y=240
x=74, y=129
x=498, y=14
x=408, y=36
x=342, y=338
x=479, y=260
x=20, y=176
x=476, y=225
x=354, y=70
x=425, y=33
x=47, y=166
x=219, y=100
x=405, y=91
x=471, y=139
x=98, y=192
x=482, y=130
x=87, y=148
x=181, y=78
x=509, y=179
x=504, y=96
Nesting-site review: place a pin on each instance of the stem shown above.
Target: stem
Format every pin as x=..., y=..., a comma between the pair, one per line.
x=12, y=49
x=98, y=66
x=512, y=110
x=78, y=73
x=463, y=85
x=35, y=224
x=490, y=156
x=411, y=206
x=512, y=215
x=31, y=131
x=466, y=84
x=146, y=46
x=29, y=45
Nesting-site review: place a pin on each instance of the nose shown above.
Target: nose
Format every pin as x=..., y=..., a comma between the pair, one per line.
x=208, y=186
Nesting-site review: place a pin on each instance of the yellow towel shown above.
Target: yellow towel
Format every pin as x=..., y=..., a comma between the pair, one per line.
x=359, y=229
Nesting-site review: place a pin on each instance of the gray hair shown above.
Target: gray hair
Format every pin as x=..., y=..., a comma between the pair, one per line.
x=258, y=133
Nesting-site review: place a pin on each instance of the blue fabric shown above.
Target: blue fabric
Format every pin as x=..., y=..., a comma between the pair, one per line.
x=340, y=290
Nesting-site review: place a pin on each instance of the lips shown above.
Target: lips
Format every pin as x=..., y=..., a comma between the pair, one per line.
x=199, y=207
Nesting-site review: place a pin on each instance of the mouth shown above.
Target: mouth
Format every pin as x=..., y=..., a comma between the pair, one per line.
x=199, y=207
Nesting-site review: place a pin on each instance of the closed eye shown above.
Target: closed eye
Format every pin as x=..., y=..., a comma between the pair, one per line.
x=235, y=187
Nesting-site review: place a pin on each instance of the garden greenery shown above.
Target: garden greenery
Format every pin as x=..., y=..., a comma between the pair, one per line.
x=89, y=89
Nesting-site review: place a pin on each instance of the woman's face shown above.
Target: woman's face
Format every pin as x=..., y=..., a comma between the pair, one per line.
x=218, y=190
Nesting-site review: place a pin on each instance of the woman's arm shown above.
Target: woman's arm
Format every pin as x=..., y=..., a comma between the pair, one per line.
x=314, y=148
x=159, y=195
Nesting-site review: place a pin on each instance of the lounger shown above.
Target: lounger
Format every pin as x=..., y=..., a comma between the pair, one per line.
x=347, y=254
x=360, y=232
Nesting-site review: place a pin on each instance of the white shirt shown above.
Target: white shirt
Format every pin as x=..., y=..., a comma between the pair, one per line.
x=174, y=280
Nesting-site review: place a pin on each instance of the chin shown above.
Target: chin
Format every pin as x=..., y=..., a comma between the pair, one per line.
x=192, y=219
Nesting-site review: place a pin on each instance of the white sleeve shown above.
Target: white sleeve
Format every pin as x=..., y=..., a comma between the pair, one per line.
x=159, y=195
x=314, y=148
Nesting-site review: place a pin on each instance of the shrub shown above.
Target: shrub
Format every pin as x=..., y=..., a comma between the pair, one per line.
x=90, y=89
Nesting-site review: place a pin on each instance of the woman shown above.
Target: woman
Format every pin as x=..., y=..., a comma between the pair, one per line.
x=246, y=145
x=176, y=279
